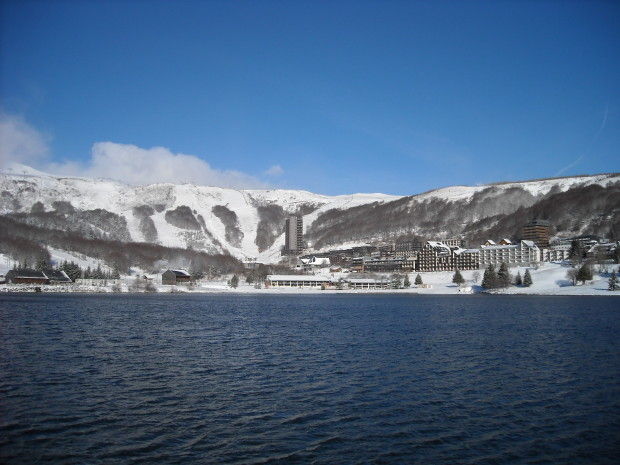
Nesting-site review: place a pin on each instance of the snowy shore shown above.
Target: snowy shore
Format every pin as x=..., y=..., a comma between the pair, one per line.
x=548, y=279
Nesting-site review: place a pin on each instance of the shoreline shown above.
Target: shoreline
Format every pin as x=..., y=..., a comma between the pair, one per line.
x=576, y=291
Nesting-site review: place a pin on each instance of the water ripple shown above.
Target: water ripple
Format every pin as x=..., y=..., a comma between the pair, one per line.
x=309, y=379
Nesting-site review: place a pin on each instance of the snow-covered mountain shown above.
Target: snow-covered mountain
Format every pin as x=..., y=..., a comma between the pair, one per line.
x=244, y=223
x=250, y=223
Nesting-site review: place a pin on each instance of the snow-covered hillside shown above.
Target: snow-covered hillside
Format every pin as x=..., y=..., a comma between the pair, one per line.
x=239, y=218
x=244, y=223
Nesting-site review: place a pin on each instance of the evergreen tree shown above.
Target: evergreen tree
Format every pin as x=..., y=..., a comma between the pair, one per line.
x=613, y=282
x=234, y=281
x=489, y=280
x=503, y=275
x=418, y=280
x=72, y=270
x=576, y=251
x=518, y=280
x=458, y=277
x=41, y=264
x=88, y=274
x=406, y=282
x=584, y=273
x=396, y=281
x=116, y=274
x=98, y=274
x=527, y=279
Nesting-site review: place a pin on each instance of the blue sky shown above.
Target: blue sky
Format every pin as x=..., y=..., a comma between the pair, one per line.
x=332, y=97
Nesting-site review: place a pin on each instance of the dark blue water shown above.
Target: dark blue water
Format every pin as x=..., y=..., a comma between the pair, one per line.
x=325, y=379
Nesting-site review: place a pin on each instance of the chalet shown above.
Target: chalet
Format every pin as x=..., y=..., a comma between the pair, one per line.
x=26, y=276
x=505, y=241
x=171, y=277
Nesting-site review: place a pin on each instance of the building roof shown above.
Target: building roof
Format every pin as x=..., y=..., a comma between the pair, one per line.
x=459, y=251
x=179, y=273
x=27, y=273
x=317, y=261
x=438, y=245
x=513, y=246
x=298, y=277
x=367, y=281
x=538, y=222
x=57, y=275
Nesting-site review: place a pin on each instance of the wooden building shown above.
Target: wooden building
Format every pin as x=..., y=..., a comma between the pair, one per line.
x=26, y=276
x=172, y=277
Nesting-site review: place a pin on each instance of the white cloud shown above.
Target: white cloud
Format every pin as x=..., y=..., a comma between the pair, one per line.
x=138, y=166
x=275, y=170
x=20, y=142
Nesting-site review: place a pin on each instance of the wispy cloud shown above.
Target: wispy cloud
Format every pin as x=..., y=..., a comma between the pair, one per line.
x=589, y=148
x=275, y=170
x=21, y=143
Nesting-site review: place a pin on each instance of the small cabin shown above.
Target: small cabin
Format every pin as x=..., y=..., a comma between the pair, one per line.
x=172, y=277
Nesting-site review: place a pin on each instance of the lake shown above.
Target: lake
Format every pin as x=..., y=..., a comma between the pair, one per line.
x=325, y=379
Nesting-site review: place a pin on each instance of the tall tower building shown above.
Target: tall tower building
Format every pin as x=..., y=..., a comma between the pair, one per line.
x=537, y=231
x=293, y=235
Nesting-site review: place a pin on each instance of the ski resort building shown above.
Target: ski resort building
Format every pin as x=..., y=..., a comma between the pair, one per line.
x=466, y=259
x=293, y=236
x=385, y=264
x=439, y=256
x=524, y=253
x=368, y=283
x=556, y=253
x=293, y=280
x=537, y=231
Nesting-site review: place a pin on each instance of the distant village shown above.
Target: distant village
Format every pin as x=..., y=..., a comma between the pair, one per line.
x=416, y=256
x=384, y=265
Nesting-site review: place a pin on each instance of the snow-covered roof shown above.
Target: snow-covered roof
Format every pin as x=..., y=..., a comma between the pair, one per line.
x=459, y=251
x=180, y=273
x=298, y=277
x=440, y=245
x=490, y=242
x=316, y=261
x=504, y=247
x=27, y=273
x=367, y=281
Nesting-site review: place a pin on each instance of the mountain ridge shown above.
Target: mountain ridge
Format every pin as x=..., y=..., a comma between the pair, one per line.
x=249, y=223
